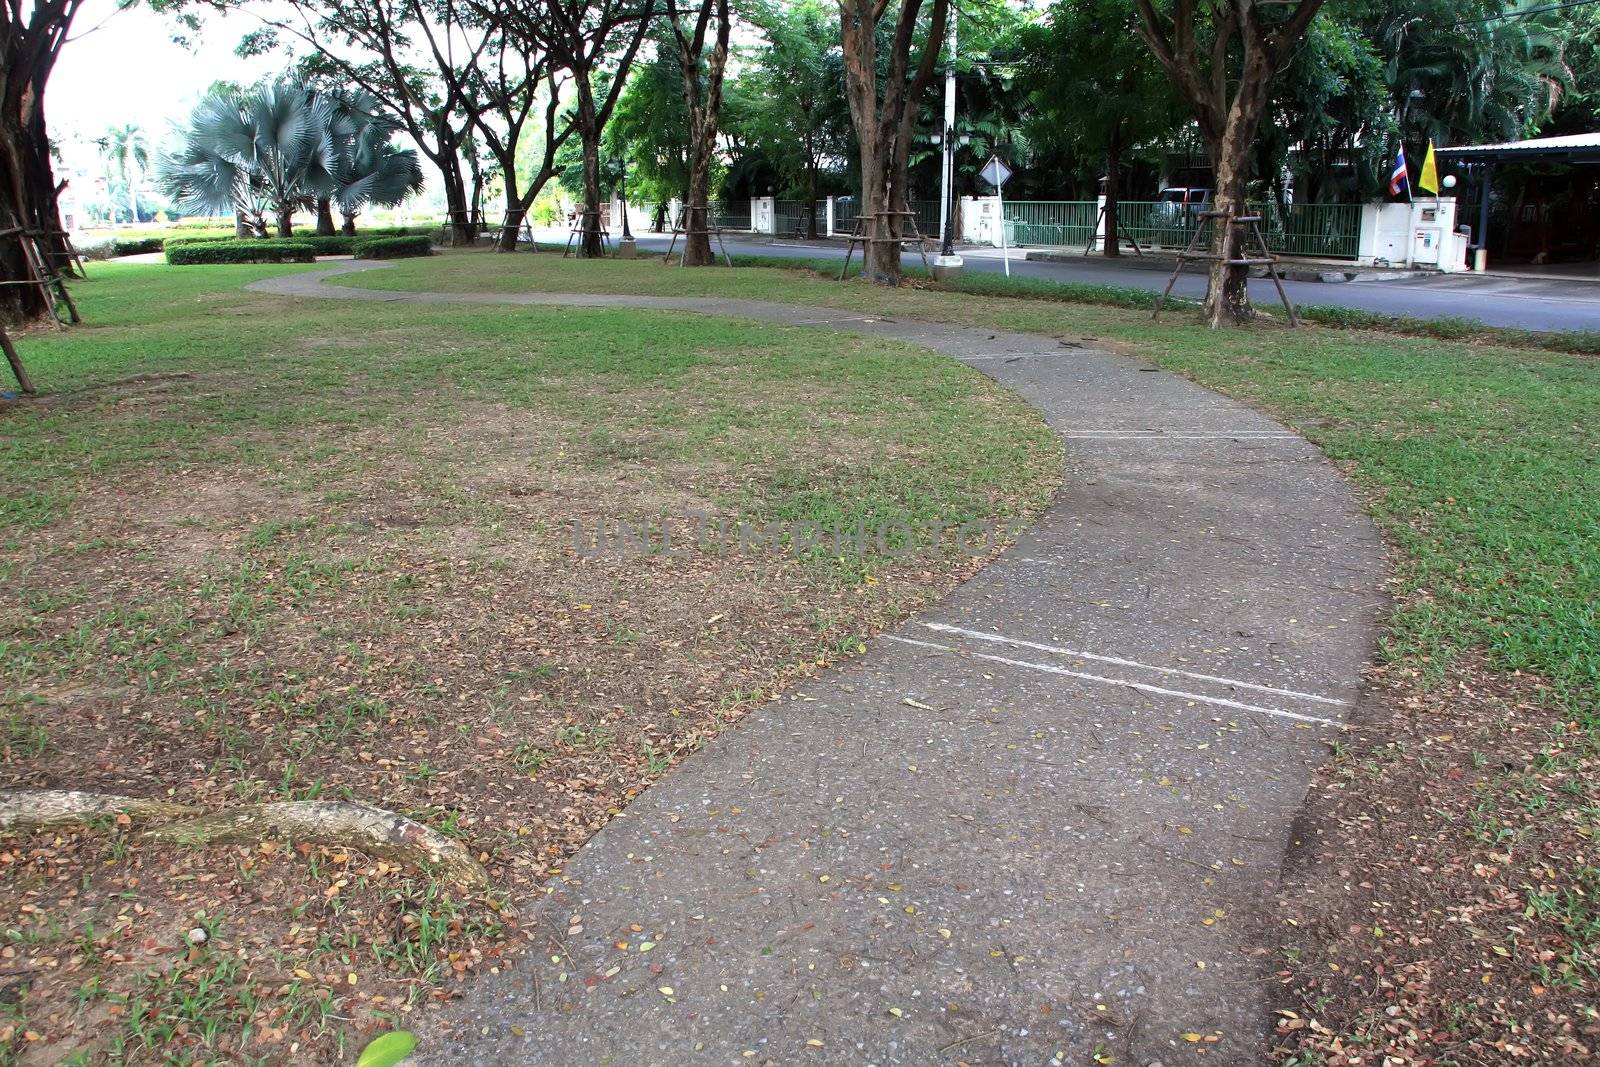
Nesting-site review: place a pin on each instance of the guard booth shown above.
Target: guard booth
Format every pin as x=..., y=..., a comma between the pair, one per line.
x=1533, y=203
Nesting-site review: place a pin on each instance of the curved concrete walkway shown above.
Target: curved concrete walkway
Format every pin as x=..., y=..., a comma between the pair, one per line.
x=1041, y=824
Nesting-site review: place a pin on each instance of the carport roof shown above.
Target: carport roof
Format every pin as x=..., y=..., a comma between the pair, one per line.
x=1573, y=148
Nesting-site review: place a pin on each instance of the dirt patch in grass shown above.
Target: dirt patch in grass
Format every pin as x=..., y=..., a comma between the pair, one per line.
x=395, y=610
x=1440, y=897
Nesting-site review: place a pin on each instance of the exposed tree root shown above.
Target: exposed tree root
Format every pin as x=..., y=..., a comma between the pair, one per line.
x=342, y=824
x=45, y=809
x=336, y=823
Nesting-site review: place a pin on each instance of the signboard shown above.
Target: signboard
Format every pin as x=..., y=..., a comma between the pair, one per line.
x=995, y=172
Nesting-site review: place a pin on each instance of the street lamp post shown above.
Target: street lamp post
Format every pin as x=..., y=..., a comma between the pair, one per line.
x=947, y=264
x=628, y=248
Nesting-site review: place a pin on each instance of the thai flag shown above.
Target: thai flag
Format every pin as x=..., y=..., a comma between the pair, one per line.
x=1398, y=178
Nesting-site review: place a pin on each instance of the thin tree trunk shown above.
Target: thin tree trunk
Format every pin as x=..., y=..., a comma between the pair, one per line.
x=129, y=170
x=1113, y=246
x=811, y=198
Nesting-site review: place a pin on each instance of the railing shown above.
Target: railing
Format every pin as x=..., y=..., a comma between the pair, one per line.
x=1051, y=222
x=845, y=209
x=1158, y=223
x=1324, y=231
x=844, y=215
x=730, y=215
x=927, y=216
x=791, y=217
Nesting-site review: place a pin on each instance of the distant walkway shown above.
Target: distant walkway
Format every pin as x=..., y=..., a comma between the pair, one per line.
x=1520, y=298
x=1043, y=819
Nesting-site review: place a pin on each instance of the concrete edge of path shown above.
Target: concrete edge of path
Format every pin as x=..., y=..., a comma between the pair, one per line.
x=1040, y=823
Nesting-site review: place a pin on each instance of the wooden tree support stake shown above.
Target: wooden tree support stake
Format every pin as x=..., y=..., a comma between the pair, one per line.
x=681, y=228
x=580, y=229
x=883, y=221
x=1260, y=255
x=25, y=382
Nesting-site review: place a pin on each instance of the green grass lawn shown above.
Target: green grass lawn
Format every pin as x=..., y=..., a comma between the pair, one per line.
x=1482, y=463
x=292, y=548
x=256, y=548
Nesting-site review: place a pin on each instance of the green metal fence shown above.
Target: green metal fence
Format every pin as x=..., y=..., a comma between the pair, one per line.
x=1158, y=223
x=845, y=209
x=1323, y=231
x=791, y=217
x=1050, y=222
x=731, y=214
x=1327, y=231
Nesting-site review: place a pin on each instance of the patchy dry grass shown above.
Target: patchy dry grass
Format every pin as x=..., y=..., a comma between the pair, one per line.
x=258, y=549
x=1441, y=905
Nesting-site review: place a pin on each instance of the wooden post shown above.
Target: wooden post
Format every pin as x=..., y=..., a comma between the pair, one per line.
x=16, y=364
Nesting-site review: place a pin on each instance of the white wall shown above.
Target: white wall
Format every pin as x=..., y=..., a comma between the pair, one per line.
x=1419, y=234
x=980, y=220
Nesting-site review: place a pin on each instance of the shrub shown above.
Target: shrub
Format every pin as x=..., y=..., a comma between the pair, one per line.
x=393, y=247
x=135, y=246
x=208, y=237
x=235, y=251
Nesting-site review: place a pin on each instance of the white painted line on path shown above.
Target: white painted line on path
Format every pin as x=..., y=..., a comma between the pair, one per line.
x=1140, y=686
x=979, y=635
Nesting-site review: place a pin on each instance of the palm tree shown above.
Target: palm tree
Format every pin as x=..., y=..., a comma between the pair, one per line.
x=126, y=149
x=370, y=169
x=282, y=147
x=267, y=148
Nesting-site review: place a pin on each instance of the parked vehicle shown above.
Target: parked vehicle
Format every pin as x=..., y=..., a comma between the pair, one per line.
x=1179, y=202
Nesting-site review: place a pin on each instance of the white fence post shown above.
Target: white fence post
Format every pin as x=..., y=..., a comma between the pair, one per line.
x=830, y=216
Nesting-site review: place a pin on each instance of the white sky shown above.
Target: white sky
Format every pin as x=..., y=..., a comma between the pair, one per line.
x=122, y=66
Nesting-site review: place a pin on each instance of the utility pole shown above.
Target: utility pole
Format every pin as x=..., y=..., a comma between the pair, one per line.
x=947, y=264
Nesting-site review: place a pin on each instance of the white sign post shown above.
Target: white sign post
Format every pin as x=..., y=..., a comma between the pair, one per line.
x=996, y=173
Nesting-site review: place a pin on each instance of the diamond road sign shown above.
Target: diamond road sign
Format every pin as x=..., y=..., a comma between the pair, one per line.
x=995, y=172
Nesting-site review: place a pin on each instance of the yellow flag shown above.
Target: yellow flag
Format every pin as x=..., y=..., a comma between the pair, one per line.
x=1428, y=180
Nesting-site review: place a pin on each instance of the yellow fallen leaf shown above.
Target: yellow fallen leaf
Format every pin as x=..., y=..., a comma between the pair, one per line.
x=1191, y=1037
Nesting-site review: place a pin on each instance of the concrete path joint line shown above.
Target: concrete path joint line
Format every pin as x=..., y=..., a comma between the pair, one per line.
x=1234, y=682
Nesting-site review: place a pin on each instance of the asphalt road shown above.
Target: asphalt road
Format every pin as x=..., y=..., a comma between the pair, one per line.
x=1529, y=303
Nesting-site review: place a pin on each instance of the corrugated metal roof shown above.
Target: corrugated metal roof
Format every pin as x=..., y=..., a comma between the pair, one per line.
x=1576, y=146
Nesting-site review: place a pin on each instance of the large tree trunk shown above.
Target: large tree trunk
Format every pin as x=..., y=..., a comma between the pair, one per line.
x=589, y=213
x=325, y=226
x=702, y=91
x=458, y=216
x=27, y=199
x=885, y=117
x=286, y=220
x=1228, y=286
x=1227, y=109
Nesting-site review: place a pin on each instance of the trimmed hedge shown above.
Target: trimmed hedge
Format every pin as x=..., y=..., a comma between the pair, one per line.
x=137, y=246
x=336, y=245
x=393, y=247
x=211, y=238
x=234, y=251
